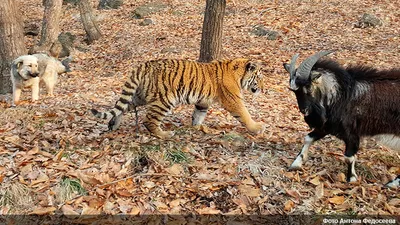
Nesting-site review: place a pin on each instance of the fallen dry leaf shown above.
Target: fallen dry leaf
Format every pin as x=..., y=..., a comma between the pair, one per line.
x=319, y=191
x=124, y=193
x=161, y=206
x=68, y=210
x=89, y=211
x=337, y=200
x=249, y=190
x=175, y=202
x=42, y=210
x=289, y=204
x=58, y=156
x=394, y=202
x=134, y=211
x=208, y=210
x=389, y=208
x=87, y=179
x=149, y=184
x=315, y=181
x=42, y=177
x=208, y=130
x=175, y=169
x=35, y=150
x=341, y=177
x=108, y=208
x=248, y=181
x=293, y=193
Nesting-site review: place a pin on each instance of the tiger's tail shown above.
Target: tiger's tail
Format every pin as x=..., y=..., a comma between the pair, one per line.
x=121, y=106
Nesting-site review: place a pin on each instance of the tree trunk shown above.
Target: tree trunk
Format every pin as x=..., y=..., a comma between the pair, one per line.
x=11, y=40
x=211, y=39
x=89, y=22
x=50, y=28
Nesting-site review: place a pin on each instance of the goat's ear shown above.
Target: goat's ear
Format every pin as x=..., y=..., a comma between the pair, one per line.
x=315, y=75
x=251, y=66
x=287, y=67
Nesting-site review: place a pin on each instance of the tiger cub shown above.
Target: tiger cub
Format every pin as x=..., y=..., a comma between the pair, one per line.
x=164, y=84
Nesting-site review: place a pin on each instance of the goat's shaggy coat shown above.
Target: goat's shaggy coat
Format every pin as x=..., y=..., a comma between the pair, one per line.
x=349, y=103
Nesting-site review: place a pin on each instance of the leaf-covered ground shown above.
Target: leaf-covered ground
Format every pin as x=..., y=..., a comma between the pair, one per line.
x=55, y=157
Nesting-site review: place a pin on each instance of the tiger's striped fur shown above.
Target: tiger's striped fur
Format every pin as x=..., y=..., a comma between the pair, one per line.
x=164, y=84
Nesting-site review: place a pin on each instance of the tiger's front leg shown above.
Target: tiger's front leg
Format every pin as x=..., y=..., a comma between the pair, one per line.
x=155, y=114
x=240, y=112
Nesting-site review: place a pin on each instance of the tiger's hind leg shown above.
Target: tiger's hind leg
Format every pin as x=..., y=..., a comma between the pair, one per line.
x=156, y=111
x=240, y=112
x=199, y=113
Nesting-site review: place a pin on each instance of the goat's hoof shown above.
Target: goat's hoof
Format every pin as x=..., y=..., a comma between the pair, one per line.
x=295, y=167
x=297, y=164
x=393, y=184
x=352, y=179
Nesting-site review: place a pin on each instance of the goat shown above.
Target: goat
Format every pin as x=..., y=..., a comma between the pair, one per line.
x=349, y=103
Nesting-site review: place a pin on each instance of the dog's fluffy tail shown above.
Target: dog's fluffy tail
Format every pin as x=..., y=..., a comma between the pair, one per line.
x=66, y=62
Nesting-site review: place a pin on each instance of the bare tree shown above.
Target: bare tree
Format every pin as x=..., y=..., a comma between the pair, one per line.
x=50, y=29
x=211, y=39
x=11, y=40
x=89, y=21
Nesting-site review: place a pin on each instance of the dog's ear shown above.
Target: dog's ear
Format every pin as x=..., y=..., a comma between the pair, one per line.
x=17, y=62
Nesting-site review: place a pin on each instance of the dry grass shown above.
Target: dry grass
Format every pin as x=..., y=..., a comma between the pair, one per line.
x=16, y=197
x=67, y=189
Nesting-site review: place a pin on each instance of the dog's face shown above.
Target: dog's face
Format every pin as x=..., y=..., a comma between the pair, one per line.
x=27, y=66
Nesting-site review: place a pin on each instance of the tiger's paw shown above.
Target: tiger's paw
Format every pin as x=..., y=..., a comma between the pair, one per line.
x=114, y=123
x=258, y=128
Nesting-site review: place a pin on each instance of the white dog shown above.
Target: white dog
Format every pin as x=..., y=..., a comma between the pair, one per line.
x=29, y=70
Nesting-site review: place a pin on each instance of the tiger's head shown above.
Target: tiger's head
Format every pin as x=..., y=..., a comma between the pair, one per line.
x=251, y=75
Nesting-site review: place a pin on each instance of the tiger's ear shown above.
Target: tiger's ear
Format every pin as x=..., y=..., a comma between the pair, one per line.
x=251, y=66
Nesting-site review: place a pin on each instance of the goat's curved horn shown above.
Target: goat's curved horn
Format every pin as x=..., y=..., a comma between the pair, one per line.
x=305, y=67
x=293, y=65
